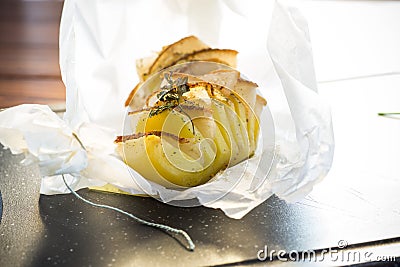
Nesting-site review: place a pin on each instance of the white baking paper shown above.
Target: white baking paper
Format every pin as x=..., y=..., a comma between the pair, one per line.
x=99, y=43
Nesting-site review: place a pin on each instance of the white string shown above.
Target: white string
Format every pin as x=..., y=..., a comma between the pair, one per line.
x=156, y=225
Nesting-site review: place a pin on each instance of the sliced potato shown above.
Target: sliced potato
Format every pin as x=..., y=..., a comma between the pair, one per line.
x=132, y=94
x=259, y=105
x=215, y=125
x=219, y=136
x=190, y=122
x=168, y=121
x=174, y=52
x=143, y=66
x=231, y=112
x=161, y=161
x=135, y=155
x=146, y=155
x=225, y=56
x=224, y=127
x=226, y=78
x=185, y=50
x=247, y=90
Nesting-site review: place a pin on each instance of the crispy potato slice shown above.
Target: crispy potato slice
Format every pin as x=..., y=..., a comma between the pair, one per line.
x=260, y=104
x=172, y=53
x=143, y=66
x=128, y=100
x=247, y=90
x=226, y=78
x=225, y=56
x=185, y=50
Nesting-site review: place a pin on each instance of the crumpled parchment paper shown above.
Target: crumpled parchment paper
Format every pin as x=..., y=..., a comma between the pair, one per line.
x=99, y=43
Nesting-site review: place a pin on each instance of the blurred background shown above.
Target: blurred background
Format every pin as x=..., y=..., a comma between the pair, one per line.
x=29, y=70
x=349, y=38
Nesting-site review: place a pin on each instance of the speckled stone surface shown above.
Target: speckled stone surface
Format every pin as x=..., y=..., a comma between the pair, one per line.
x=1, y=207
x=60, y=230
x=21, y=228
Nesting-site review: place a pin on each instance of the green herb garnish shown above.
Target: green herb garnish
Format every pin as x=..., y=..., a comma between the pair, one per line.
x=171, y=95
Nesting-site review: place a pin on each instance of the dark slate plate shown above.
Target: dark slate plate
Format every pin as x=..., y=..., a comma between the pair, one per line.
x=1, y=207
x=39, y=230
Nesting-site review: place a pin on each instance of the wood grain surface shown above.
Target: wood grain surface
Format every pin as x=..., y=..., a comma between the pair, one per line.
x=29, y=69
